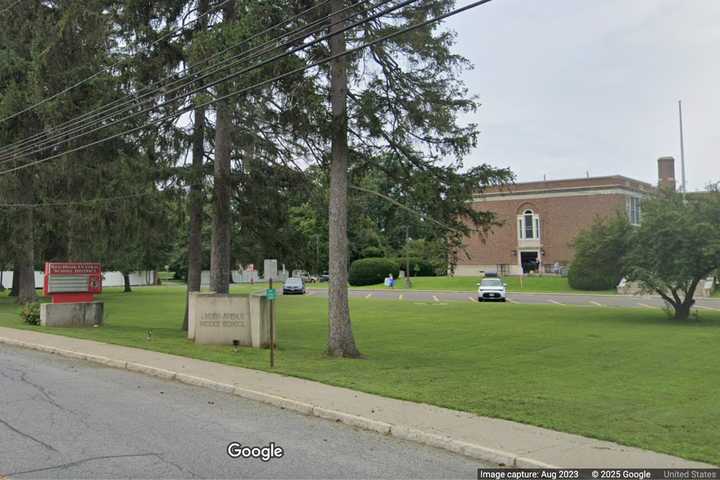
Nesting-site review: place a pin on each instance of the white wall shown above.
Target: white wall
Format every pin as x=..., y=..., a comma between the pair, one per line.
x=7, y=279
x=111, y=279
x=137, y=279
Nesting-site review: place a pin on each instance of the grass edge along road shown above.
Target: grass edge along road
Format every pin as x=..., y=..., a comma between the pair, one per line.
x=516, y=284
x=626, y=375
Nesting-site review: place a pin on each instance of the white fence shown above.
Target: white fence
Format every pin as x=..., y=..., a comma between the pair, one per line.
x=110, y=279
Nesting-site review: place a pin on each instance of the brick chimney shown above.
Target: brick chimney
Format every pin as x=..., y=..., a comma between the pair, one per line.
x=666, y=173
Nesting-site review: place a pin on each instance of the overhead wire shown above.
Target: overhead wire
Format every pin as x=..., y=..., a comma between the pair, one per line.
x=224, y=79
x=9, y=7
x=252, y=54
x=330, y=58
x=107, y=109
x=109, y=67
x=73, y=203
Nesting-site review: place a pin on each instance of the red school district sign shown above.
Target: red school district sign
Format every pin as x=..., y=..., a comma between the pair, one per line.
x=72, y=282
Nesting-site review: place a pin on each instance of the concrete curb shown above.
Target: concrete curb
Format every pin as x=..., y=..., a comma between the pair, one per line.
x=476, y=451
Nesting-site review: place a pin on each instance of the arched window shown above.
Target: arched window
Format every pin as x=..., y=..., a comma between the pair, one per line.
x=529, y=225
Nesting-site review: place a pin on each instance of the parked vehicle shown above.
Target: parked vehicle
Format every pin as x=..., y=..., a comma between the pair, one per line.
x=294, y=286
x=324, y=278
x=492, y=288
x=306, y=277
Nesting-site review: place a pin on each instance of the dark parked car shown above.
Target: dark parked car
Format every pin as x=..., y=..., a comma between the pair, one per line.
x=324, y=277
x=294, y=286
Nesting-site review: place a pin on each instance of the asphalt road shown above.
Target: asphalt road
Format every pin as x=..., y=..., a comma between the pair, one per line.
x=63, y=418
x=710, y=304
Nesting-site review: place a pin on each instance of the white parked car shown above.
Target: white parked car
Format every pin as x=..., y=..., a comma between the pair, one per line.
x=492, y=289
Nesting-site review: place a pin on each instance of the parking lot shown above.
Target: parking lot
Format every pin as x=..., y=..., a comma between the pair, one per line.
x=588, y=300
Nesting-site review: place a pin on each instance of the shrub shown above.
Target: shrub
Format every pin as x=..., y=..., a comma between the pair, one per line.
x=372, y=252
x=599, y=253
x=30, y=313
x=418, y=266
x=371, y=271
x=585, y=277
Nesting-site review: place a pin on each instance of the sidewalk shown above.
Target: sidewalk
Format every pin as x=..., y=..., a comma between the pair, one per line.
x=487, y=439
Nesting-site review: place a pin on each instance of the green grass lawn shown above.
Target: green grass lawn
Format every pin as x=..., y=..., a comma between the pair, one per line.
x=625, y=375
x=544, y=284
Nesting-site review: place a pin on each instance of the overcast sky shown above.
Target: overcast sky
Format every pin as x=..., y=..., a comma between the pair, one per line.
x=570, y=86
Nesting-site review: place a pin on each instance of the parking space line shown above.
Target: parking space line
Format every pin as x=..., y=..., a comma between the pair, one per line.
x=436, y=298
x=471, y=299
x=646, y=305
x=596, y=303
x=703, y=307
x=555, y=302
x=400, y=297
x=368, y=295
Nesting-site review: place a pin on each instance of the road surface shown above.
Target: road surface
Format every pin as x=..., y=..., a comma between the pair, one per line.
x=588, y=300
x=63, y=418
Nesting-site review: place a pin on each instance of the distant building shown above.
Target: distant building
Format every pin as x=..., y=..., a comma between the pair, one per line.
x=540, y=220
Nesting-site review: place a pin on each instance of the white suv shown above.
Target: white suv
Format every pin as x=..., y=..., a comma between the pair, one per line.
x=492, y=289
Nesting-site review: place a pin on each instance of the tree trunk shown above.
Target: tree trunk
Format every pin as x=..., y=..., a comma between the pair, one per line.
x=126, y=281
x=196, y=197
x=220, y=262
x=341, y=342
x=682, y=310
x=25, y=264
x=222, y=220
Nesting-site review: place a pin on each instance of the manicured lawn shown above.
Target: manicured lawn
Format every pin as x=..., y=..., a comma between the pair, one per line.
x=626, y=375
x=549, y=284
x=544, y=284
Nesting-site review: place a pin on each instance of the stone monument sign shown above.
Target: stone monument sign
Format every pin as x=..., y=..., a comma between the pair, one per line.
x=72, y=287
x=215, y=319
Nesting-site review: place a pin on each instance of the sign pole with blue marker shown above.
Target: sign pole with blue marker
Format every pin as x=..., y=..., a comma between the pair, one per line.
x=270, y=294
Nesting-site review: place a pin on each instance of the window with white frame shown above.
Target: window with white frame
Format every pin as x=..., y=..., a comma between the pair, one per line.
x=633, y=206
x=528, y=225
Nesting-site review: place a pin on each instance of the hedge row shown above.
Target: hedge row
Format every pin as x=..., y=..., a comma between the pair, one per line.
x=371, y=271
x=586, y=277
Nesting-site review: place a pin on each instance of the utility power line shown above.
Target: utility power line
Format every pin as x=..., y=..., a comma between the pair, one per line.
x=9, y=7
x=224, y=79
x=420, y=214
x=38, y=147
x=110, y=108
x=351, y=51
x=103, y=70
x=76, y=202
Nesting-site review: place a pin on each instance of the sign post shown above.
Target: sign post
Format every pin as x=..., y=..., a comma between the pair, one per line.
x=271, y=295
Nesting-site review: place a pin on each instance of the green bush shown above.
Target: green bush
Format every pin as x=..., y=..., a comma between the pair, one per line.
x=371, y=271
x=372, y=252
x=586, y=277
x=30, y=313
x=599, y=252
x=418, y=266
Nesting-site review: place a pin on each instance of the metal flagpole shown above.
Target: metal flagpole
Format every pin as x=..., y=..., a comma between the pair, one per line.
x=682, y=149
